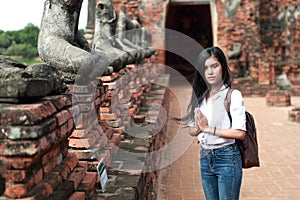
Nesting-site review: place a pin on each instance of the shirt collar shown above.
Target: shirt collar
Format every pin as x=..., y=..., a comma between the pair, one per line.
x=222, y=93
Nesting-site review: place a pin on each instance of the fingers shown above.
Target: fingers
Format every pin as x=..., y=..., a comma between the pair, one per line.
x=200, y=119
x=198, y=116
x=197, y=111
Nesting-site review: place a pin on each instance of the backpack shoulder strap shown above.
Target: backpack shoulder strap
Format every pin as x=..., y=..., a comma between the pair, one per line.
x=227, y=100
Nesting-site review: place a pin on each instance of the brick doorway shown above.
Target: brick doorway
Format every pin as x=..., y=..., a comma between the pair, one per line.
x=192, y=20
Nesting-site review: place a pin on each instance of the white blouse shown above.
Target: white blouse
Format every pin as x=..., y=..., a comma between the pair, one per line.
x=215, y=112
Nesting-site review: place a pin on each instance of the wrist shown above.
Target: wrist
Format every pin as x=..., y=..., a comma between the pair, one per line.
x=211, y=130
x=216, y=132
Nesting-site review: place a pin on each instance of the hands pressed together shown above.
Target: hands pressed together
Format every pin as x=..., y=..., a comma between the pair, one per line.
x=201, y=122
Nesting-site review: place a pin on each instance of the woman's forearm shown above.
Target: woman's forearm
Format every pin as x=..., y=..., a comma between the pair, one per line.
x=226, y=133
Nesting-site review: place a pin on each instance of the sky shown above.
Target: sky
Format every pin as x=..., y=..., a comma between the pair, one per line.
x=16, y=14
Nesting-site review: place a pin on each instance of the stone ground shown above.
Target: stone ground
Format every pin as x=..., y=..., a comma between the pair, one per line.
x=279, y=145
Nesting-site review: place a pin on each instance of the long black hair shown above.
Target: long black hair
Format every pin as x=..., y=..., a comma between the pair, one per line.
x=200, y=87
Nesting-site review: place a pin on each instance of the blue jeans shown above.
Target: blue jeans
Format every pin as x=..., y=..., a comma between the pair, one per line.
x=221, y=172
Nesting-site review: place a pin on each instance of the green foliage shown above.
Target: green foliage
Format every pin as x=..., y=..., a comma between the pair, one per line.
x=5, y=42
x=29, y=35
x=20, y=43
x=24, y=50
x=30, y=61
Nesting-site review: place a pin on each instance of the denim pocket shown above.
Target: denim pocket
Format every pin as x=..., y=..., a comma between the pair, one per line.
x=225, y=153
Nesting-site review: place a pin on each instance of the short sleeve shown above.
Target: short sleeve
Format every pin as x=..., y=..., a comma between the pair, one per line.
x=237, y=111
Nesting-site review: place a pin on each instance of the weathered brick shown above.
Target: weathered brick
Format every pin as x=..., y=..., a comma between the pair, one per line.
x=26, y=147
x=88, y=183
x=36, y=178
x=82, y=132
x=83, y=164
x=79, y=133
x=77, y=176
x=65, y=190
x=133, y=110
x=26, y=114
x=65, y=129
x=74, y=89
x=71, y=161
x=109, y=78
x=85, y=142
x=60, y=101
x=109, y=132
x=46, y=187
x=18, y=162
x=49, y=155
x=78, y=196
x=48, y=167
x=62, y=117
x=108, y=116
x=106, y=109
x=28, y=132
x=15, y=175
x=120, y=130
x=86, y=154
x=63, y=171
x=15, y=190
x=116, y=139
x=110, y=85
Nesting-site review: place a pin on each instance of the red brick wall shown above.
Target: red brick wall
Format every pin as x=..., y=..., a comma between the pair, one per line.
x=269, y=35
x=52, y=147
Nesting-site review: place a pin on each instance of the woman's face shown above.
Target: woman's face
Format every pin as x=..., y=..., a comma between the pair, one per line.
x=213, y=71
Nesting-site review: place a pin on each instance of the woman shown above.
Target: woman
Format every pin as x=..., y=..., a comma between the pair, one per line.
x=220, y=160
